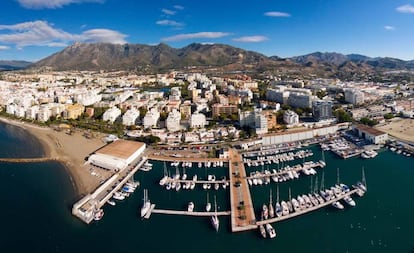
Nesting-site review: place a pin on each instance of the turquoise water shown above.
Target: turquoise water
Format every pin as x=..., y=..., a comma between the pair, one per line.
x=36, y=200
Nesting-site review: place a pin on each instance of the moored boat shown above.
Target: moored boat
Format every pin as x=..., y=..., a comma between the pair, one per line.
x=270, y=230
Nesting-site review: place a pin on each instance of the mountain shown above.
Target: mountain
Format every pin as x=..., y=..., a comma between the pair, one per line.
x=85, y=56
x=161, y=57
x=13, y=65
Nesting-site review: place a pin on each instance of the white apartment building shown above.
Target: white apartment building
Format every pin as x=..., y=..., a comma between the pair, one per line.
x=198, y=120
x=20, y=112
x=11, y=108
x=291, y=117
x=173, y=121
x=111, y=114
x=260, y=122
x=44, y=113
x=32, y=112
x=130, y=117
x=88, y=98
x=151, y=118
x=354, y=96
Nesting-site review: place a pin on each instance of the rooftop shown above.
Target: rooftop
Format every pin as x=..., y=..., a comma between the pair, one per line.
x=121, y=149
x=370, y=130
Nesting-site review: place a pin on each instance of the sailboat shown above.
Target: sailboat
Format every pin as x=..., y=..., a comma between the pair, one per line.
x=208, y=205
x=322, y=162
x=278, y=207
x=214, y=219
x=146, y=205
x=363, y=185
x=271, y=210
x=164, y=180
x=289, y=203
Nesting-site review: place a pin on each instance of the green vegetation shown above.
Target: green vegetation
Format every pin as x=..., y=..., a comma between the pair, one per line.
x=149, y=139
x=321, y=94
x=388, y=116
x=368, y=121
x=342, y=116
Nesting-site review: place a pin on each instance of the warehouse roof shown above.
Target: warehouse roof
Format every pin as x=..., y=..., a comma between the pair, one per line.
x=121, y=148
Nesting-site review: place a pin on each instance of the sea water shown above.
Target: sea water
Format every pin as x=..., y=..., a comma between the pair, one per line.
x=36, y=201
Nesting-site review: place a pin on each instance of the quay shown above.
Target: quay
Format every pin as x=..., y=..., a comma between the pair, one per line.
x=202, y=214
x=242, y=210
x=184, y=159
x=85, y=208
x=28, y=160
x=307, y=210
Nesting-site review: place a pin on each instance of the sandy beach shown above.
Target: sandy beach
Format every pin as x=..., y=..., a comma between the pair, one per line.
x=399, y=128
x=71, y=150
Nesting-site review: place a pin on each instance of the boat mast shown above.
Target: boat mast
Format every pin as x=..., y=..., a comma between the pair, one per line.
x=311, y=184
x=270, y=200
x=337, y=176
x=277, y=193
x=290, y=194
x=315, y=188
x=364, y=181
x=323, y=181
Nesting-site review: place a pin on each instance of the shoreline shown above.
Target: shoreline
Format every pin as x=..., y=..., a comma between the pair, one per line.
x=69, y=150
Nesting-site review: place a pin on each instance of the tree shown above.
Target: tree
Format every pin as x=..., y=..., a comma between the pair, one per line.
x=321, y=94
x=342, y=116
x=388, y=116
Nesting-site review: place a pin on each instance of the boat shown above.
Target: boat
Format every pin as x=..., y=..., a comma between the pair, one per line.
x=338, y=205
x=271, y=210
x=216, y=186
x=147, y=166
x=184, y=176
x=262, y=231
x=208, y=205
x=369, y=154
x=118, y=196
x=98, y=214
x=214, y=219
x=111, y=202
x=349, y=201
x=285, y=208
x=295, y=204
x=265, y=211
x=190, y=207
x=178, y=187
x=270, y=230
x=362, y=185
x=146, y=205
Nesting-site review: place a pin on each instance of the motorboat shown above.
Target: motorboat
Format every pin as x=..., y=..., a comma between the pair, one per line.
x=190, y=207
x=349, y=201
x=337, y=205
x=98, y=214
x=262, y=231
x=270, y=230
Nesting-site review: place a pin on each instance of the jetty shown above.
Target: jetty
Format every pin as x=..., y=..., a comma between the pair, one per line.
x=306, y=210
x=242, y=211
x=28, y=160
x=202, y=214
x=85, y=208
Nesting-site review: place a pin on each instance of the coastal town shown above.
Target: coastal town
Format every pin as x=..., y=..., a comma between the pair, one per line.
x=192, y=119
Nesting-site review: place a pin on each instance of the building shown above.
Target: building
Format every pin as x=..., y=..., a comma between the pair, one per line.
x=370, y=134
x=44, y=113
x=255, y=119
x=117, y=155
x=172, y=123
x=354, y=96
x=321, y=110
x=73, y=111
x=219, y=109
x=198, y=120
x=300, y=98
x=151, y=118
x=291, y=117
x=185, y=110
x=271, y=119
x=111, y=114
x=130, y=117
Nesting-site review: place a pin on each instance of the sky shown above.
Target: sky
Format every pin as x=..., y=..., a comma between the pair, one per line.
x=34, y=29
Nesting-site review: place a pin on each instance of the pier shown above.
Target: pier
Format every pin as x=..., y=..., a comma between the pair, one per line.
x=202, y=214
x=242, y=210
x=85, y=208
x=307, y=210
x=28, y=160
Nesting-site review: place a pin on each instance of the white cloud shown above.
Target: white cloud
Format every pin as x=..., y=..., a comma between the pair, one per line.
x=179, y=7
x=4, y=47
x=199, y=35
x=103, y=35
x=256, y=38
x=389, y=27
x=277, y=14
x=167, y=22
x=168, y=12
x=41, y=33
x=405, y=8
x=52, y=4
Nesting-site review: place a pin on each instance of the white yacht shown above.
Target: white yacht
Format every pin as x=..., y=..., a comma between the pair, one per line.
x=369, y=154
x=349, y=201
x=146, y=205
x=111, y=202
x=265, y=212
x=190, y=207
x=214, y=219
x=262, y=231
x=118, y=196
x=208, y=205
x=270, y=230
x=338, y=205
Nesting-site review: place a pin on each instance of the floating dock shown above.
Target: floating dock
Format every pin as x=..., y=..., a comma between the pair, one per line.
x=187, y=213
